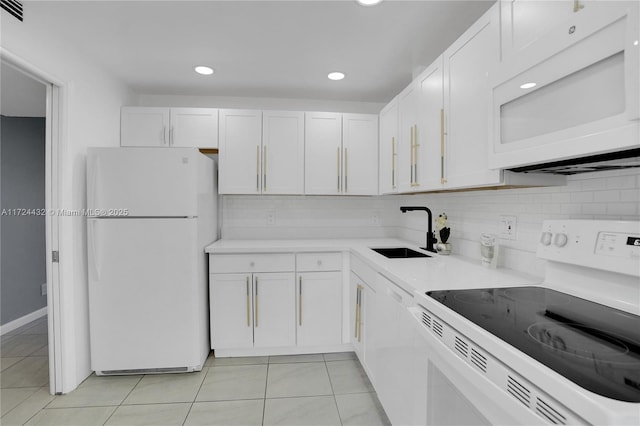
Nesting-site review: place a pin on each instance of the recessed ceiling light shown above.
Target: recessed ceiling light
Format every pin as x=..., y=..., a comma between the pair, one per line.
x=369, y=2
x=528, y=85
x=201, y=69
x=335, y=75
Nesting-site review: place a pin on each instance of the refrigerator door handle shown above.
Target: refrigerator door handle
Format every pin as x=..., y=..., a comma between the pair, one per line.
x=95, y=256
x=92, y=200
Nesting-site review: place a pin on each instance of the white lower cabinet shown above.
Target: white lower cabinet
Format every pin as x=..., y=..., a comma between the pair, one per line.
x=252, y=310
x=319, y=299
x=266, y=301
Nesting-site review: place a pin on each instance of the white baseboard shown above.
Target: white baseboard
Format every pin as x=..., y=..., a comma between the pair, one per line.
x=17, y=323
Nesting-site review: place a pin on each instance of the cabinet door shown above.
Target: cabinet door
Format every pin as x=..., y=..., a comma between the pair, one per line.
x=230, y=301
x=407, y=123
x=430, y=106
x=240, y=156
x=144, y=126
x=523, y=21
x=357, y=303
x=282, y=152
x=323, y=153
x=388, y=149
x=274, y=310
x=194, y=127
x=466, y=64
x=319, y=319
x=360, y=154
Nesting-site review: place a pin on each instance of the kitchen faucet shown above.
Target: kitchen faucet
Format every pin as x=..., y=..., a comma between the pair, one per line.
x=430, y=238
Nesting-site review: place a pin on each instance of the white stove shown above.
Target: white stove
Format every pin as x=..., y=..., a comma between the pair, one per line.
x=566, y=351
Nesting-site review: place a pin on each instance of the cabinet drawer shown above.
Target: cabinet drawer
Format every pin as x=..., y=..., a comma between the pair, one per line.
x=318, y=262
x=277, y=262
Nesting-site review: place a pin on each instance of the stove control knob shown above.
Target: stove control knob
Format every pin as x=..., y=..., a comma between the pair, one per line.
x=545, y=238
x=560, y=240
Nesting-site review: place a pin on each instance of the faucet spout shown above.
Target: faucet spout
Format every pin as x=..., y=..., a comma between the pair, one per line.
x=431, y=239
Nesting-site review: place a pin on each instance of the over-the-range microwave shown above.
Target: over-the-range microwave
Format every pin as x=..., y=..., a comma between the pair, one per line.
x=572, y=93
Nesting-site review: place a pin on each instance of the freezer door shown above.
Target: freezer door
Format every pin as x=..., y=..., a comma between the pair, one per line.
x=143, y=181
x=143, y=294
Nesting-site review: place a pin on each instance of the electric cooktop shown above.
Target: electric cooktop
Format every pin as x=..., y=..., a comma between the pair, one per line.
x=593, y=345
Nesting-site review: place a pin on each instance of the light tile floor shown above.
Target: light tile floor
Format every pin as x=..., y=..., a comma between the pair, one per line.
x=317, y=389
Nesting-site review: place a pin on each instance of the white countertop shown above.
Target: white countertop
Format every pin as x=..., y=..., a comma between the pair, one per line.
x=438, y=272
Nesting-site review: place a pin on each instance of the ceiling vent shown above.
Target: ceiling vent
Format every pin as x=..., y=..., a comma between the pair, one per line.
x=14, y=7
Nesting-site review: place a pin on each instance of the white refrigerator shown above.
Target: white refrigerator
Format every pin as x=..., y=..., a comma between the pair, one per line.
x=152, y=211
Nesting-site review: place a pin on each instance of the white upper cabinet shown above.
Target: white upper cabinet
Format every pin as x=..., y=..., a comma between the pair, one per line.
x=168, y=127
x=429, y=157
x=194, y=127
x=323, y=153
x=466, y=103
x=360, y=154
x=523, y=21
x=341, y=154
x=261, y=152
x=388, y=148
x=408, y=148
x=240, y=152
x=144, y=126
x=282, y=152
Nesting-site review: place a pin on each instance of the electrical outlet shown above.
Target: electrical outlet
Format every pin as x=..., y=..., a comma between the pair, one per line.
x=43, y=289
x=375, y=219
x=508, y=227
x=271, y=218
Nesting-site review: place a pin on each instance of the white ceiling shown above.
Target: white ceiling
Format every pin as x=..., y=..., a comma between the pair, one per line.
x=279, y=49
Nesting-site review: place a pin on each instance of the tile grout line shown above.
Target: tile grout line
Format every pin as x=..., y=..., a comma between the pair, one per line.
x=266, y=384
x=195, y=398
x=333, y=392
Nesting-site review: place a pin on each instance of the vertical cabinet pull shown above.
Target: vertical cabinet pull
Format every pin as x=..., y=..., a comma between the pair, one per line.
x=255, y=304
x=414, y=156
x=264, y=168
x=163, y=135
x=257, y=168
x=338, y=167
x=411, y=153
x=346, y=171
x=442, y=178
x=393, y=163
x=299, y=300
x=357, y=313
x=248, y=304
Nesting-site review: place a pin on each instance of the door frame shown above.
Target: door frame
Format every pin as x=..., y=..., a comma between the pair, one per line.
x=54, y=143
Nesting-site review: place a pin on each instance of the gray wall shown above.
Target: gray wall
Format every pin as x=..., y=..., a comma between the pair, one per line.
x=22, y=241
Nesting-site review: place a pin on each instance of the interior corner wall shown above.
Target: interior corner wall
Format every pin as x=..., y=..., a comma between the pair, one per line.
x=22, y=239
x=90, y=116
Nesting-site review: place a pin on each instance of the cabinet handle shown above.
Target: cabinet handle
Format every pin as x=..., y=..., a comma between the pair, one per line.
x=338, y=168
x=357, y=313
x=346, y=171
x=442, y=178
x=163, y=135
x=360, y=288
x=299, y=300
x=577, y=6
x=257, y=168
x=264, y=168
x=393, y=163
x=415, y=155
x=255, y=304
x=171, y=141
x=248, y=304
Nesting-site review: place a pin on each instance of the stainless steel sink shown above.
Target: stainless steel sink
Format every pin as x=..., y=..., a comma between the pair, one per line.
x=399, y=252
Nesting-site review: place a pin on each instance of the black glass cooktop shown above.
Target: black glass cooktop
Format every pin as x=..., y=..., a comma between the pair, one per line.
x=595, y=346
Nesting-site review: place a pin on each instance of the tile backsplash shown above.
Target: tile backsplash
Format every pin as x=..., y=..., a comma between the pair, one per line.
x=611, y=195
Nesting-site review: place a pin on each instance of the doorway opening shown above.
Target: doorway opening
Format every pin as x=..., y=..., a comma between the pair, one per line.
x=29, y=277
